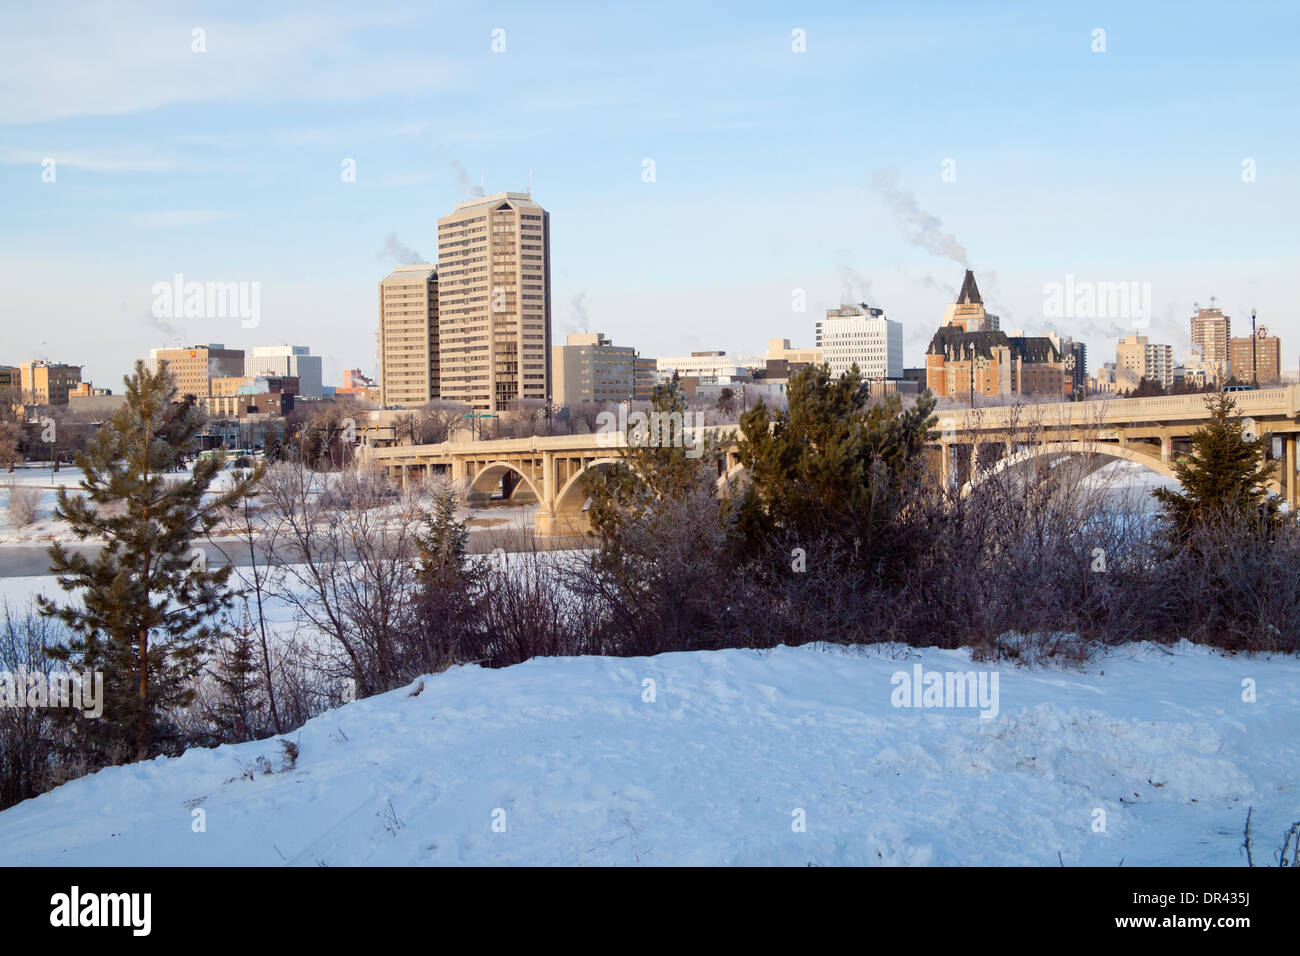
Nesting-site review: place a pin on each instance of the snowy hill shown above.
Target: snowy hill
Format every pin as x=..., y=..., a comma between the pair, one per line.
x=573, y=763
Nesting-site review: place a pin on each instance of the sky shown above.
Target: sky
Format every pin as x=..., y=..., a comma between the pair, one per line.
x=717, y=175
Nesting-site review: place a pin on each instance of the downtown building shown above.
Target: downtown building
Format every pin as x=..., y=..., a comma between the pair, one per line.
x=1137, y=358
x=47, y=383
x=1256, y=359
x=591, y=368
x=408, y=337
x=1211, y=332
x=195, y=368
x=970, y=356
x=494, y=302
x=288, y=361
x=861, y=335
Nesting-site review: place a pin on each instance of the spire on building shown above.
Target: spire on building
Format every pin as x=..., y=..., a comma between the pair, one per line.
x=970, y=293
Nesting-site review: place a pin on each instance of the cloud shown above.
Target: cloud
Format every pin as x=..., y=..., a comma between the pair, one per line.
x=135, y=59
x=79, y=159
x=920, y=227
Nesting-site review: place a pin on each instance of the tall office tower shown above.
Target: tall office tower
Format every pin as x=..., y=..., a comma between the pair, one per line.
x=861, y=335
x=295, y=361
x=1211, y=330
x=494, y=302
x=408, y=337
x=195, y=367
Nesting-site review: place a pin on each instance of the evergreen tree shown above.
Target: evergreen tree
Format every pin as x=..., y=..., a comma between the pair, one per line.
x=651, y=469
x=236, y=675
x=449, y=586
x=144, y=602
x=1225, y=478
x=833, y=465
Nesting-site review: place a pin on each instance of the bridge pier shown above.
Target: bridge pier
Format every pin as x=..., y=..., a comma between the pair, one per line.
x=1289, y=466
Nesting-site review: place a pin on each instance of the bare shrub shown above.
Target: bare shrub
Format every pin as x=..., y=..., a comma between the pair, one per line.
x=35, y=751
x=24, y=502
x=347, y=557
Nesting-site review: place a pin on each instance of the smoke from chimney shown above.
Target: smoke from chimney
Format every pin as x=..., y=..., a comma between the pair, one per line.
x=920, y=227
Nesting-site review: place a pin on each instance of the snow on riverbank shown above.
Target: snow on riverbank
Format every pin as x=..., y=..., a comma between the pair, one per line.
x=578, y=767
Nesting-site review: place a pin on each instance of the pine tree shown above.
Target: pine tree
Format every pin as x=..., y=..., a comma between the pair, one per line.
x=1225, y=478
x=650, y=470
x=833, y=464
x=145, y=601
x=449, y=585
x=236, y=675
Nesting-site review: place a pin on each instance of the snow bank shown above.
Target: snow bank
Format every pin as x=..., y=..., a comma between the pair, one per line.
x=575, y=766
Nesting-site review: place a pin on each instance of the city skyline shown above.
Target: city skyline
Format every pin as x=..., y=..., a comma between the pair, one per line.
x=795, y=171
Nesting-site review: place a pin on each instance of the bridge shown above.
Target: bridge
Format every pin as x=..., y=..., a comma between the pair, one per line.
x=969, y=443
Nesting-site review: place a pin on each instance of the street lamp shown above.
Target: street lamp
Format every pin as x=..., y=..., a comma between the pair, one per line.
x=1254, y=370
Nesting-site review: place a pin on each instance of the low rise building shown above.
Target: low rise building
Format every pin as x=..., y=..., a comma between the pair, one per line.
x=48, y=383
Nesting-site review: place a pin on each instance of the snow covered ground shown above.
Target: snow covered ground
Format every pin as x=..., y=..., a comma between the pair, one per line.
x=565, y=761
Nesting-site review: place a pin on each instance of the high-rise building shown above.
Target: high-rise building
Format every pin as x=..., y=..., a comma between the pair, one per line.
x=293, y=361
x=1137, y=358
x=1211, y=330
x=409, y=359
x=494, y=302
x=861, y=335
x=591, y=368
x=1256, y=358
x=195, y=367
x=45, y=383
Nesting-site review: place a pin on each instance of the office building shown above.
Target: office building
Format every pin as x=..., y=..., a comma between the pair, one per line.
x=48, y=383
x=706, y=368
x=591, y=368
x=195, y=367
x=494, y=302
x=409, y=359
x=288, y=361
x=861, y=335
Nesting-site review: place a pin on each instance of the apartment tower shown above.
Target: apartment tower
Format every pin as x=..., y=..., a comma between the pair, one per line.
x=494, y=302
x=408, y=337
x=1211, y=330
